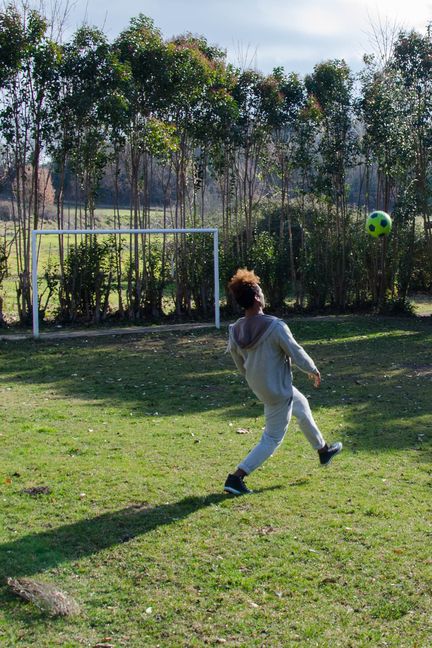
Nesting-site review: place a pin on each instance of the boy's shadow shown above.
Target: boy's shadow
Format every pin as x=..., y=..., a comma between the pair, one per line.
x=37, y=552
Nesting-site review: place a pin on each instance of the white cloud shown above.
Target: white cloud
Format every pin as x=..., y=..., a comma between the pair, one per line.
x=413, y=14
x=294, y=33
x=334, y=16
x=310, y=17
x=331, y=29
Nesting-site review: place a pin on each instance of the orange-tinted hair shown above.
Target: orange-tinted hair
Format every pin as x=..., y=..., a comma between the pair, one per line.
x=244, y=286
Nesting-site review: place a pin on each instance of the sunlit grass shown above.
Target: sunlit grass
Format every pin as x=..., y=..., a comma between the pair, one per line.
x=134, y=436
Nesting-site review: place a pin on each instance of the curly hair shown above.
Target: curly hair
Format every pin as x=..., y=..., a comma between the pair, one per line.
x=244, y=287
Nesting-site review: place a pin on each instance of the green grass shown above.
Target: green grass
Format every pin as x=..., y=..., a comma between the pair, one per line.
x=134, y=437
x=422, y=303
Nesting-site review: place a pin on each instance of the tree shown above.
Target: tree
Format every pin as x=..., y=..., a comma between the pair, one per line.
x=287, y=100
x=331, y=86
x=412, y=61
x=30, y=61
x=141, y=49
x=387, y=153
x=200, y=109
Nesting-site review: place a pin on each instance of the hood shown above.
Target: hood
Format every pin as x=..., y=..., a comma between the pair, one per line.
x=249, y=331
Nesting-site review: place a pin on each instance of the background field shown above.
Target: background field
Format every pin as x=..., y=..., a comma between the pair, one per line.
x=48, y=252
x=134, y=436
x=104, y=218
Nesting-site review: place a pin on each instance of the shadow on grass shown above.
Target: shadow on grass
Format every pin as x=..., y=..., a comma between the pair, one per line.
x=368, y=367
x=37, y=552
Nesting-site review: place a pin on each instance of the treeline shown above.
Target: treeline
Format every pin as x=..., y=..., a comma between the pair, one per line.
x=293, y=164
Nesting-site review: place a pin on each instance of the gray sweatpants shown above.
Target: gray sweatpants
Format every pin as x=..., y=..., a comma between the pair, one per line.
x=277, y=418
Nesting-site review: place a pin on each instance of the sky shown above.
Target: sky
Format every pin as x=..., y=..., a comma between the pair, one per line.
x=294, y=34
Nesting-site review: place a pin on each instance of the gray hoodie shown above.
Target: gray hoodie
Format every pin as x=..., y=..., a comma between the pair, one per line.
x=262, y=347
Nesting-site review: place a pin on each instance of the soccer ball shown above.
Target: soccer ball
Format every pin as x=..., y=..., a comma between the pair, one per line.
x=378, y=224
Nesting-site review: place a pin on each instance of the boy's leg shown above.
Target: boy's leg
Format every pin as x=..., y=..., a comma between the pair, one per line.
x=302, y=412
x=307, y=425
x=277, y=418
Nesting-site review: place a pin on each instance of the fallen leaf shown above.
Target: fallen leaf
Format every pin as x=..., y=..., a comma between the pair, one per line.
x=242, y=431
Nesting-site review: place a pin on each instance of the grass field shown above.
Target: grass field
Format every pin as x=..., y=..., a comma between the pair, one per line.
x=423, y=304
x=133, y=438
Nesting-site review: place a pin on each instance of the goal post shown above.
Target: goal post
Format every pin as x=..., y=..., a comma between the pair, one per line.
x=191, y=230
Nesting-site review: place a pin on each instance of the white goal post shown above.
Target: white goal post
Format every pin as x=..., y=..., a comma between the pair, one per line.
x=204, y=230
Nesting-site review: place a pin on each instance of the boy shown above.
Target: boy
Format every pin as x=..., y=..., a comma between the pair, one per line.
x=262, y=348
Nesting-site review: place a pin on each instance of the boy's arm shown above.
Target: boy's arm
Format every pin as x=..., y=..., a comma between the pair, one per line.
x=236, y=356
x=238, y=359
x=296, y=352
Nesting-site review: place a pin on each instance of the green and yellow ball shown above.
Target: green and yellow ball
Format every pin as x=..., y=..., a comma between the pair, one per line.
x=378, y=224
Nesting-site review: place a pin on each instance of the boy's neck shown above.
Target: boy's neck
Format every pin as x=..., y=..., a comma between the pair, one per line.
x=256, y=309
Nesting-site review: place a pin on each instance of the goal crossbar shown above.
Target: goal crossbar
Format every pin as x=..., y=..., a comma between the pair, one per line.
x=191, y=230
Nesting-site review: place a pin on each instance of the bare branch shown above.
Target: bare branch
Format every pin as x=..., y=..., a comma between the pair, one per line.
x=246, y=56
x=382, y=36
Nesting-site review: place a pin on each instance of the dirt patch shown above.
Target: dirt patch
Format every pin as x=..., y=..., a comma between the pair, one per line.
x=418, y=370
x=34, y=491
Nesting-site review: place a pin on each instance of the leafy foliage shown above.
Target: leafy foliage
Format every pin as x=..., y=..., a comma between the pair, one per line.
x=86, y=282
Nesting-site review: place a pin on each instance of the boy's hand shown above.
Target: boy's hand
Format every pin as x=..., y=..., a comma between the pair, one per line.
x=316, y=378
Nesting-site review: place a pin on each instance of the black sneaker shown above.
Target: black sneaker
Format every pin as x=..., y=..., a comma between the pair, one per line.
x=236, y=486
x=325, y=456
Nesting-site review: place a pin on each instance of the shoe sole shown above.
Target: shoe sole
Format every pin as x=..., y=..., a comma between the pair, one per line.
x=331, y=458
x=233, y=491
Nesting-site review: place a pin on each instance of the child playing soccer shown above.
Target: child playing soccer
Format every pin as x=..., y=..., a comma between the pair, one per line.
x=263, y=348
